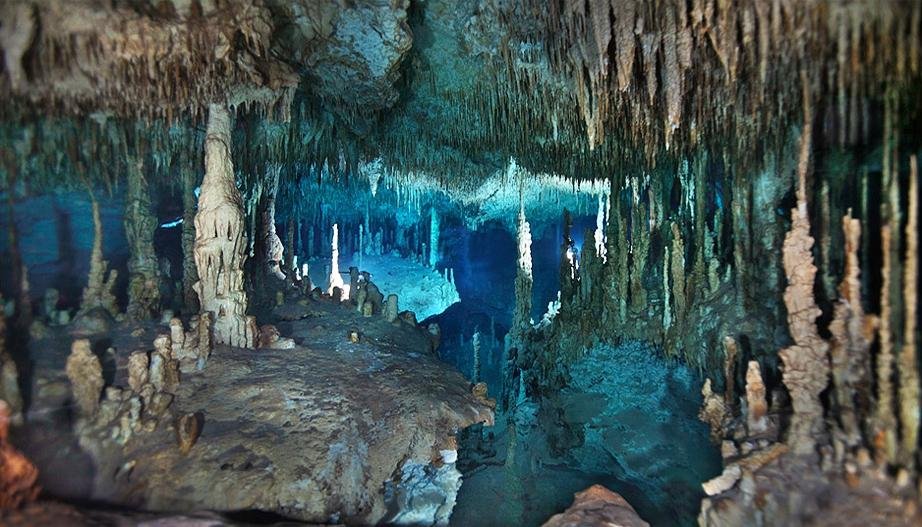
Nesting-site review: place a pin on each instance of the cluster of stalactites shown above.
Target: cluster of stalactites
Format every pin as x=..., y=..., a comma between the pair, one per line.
x=81, y=55
x=672, y=74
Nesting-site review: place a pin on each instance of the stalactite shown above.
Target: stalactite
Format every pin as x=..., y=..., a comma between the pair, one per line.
x=806, y=362
x=220, y=243
x=852, y=333
x=908, y=360
x=140, y=224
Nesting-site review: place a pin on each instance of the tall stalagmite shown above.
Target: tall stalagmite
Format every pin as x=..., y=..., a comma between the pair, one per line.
x=140, y=224
x=852, y=333
x=909, y=373
x=220, y=243
x=98, y=291
x=806, y=362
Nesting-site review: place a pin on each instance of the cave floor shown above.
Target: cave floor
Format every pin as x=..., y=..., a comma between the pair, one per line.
x=311, y=433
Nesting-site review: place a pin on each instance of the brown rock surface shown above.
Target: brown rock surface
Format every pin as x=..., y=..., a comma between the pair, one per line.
x=311, y=433
x=597, y=506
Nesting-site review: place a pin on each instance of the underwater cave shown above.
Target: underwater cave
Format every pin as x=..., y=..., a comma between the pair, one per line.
x=460, y=262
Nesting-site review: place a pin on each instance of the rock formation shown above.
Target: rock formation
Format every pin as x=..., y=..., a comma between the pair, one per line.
x=220, y=243
x=270, y=248
x=192, y=348
x=597, y=506
x=756, y=405
x=908, y=358
x=99, y=291
x=852, y=333
x=9, y=376
x=188, y=430
x=84, y=372
x=806, y=363
x=18, y=476
x=391, y=310
x=140, y=223
x=336, y=279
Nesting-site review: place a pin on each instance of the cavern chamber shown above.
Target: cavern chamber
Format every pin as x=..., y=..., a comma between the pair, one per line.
x=472, y=263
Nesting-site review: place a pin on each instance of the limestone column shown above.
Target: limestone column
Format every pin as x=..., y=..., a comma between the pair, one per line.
x=270, y=249
x=189, y=272
x=220, y=242
x=140, y=224
x=433, y=238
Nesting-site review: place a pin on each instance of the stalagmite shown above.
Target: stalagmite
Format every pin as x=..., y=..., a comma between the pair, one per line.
x=220, y=243
x=98, y=292
x=884, y=422
x=713, y=411
x=756, y=405
x=908, y=361
x=852, y=333
x=806, y=362
x=140, y=224
x=336, y=279
x=85, y=374
x=433, y=237
x=391, y=310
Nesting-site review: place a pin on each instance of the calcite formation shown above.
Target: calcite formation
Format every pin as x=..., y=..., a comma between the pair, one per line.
x=192, y=348
x=806, y=363
x=18, y=476
x=140, y=223
x=756, y=405
x=188, y=430
x=597, y=506
x=84, y=372
x=9, y=376
x=220, y=242
x=99, y=291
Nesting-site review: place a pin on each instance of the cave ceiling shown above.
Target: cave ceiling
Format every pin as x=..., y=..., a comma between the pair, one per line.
x=449, y=90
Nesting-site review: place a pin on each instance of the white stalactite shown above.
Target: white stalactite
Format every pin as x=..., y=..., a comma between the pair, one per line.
x=220, y=242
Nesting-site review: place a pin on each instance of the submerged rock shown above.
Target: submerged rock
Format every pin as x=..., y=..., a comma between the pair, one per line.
x=597, y=506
